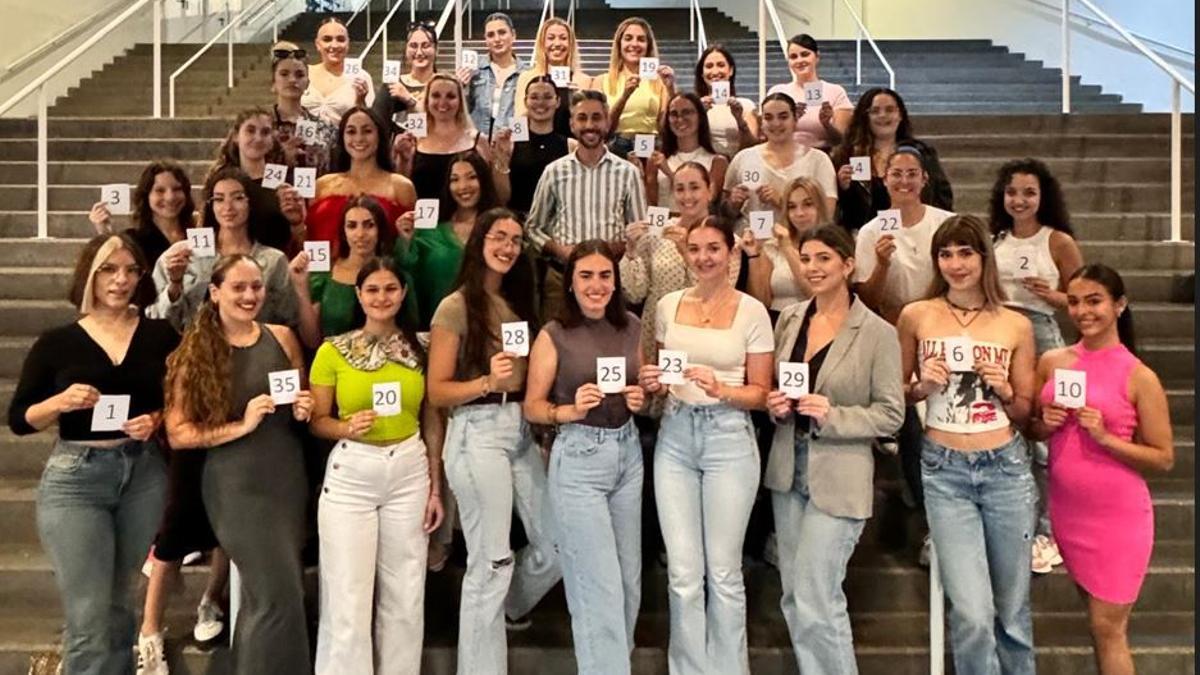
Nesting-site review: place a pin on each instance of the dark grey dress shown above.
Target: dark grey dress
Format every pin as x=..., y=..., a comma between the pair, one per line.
x=255, y=492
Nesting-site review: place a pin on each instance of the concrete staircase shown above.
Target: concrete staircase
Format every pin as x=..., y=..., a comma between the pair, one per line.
x=1115, y=173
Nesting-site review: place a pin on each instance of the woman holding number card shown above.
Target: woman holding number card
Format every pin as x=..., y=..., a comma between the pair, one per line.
x=759, y=175
x=776, y=278
x=102, y=491
x=595, y=486
x=706, y=464
x=478, y=344
x=450, y=132
x=821, y=466
x=634, y=108
x=361, y=165
x=331, y=91
x=432, y=257
x=1101, y=444
x=381, y=497
x=655, y=261
x=971, y=360
x=250, y=145
x=235, y=387
x=733, y=121
x=546, y=143
x=1036, y=253
x=162, y=209
x=880, y=123
x=182, y=274
x=554, y=48
x=824, y=108
x=685, y=138
x=420, y=60
x=305, y=138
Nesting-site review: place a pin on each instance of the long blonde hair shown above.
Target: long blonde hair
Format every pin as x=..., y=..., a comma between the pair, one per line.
x=814, y=192
x=613, y=76
x=462, y=119
x=541, y=64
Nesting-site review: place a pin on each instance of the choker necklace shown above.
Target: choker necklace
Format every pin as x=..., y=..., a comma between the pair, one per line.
x=977, y=311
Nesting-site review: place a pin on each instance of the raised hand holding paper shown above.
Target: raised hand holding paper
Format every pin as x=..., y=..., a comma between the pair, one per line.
x=426, y=214
x=116, y=196
x=305, y=181
x=391, y=71
x=673, y=363
x=656, y=218
x=470, y=58
x=308, y=131
x=610, y=374
x=720, y=92
x=274, y=175
x=648, y=68
x=889, y=221
x=520, y=129
x=110, y=412
x=860, y=168
x=414, y=124
x=762, y=223
x=351, y=67
x=319, y=259
x=284, y=386
x=560, y=75
x=385, y=398
x=515, y=337
x=202, y=241
x=643, y=145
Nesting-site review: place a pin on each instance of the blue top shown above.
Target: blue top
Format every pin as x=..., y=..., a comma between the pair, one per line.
x=481, y=90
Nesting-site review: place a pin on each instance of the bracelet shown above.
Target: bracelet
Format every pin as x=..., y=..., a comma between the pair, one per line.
x=486, y=388
x=505, y=171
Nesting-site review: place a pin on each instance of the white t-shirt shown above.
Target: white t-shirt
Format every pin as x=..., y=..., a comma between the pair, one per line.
x=808, y=128
x=722, y=349
x=749, y=167
x=785, y=292
x=724, y=128
x=912, y=268
x=666, y=195
x=1033, y=255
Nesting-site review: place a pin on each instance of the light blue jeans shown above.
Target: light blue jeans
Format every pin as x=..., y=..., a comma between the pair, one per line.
x=492, y=464
x=596, y=493
x=706, y=472
x=97, y=512
x=1046, y=336
x=814, y=549
x=980, y=507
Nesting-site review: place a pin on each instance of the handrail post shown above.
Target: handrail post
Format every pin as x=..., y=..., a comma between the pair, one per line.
x=1066, y=56
x=692, y=21
x=229, y=45
x=43, y=201
x=458, y=12
x=157, y=90
x=275, y=22
x=385, y=28
x=937, y=619
x=1176, y=165
x=858, y=58
x=412, y=11
x=762, y=49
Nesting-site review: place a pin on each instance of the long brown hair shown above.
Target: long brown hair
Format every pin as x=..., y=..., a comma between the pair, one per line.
x=143, y=217
x=968, y=231
x=228, y=154
x=199, y=372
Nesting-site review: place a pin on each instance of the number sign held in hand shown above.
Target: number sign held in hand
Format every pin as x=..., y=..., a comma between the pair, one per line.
x=1070, y=387
x=673, y=363
x=515, y=337
x=110, y=413
x=610, y=374
x=284, y=385
x=793, y=378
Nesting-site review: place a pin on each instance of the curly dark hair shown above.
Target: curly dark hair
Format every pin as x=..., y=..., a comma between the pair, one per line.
x=859, y=140
x=1052, y=207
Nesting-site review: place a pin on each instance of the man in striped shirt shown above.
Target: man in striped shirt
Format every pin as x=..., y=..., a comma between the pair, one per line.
x=588, y=194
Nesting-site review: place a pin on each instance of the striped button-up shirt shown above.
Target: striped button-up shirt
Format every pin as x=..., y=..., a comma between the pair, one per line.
x=574, y=202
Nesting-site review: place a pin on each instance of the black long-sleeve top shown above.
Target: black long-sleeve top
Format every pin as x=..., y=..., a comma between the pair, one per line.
x=68, y=355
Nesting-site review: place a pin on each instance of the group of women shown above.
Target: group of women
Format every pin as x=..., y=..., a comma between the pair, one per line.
x=233, y=367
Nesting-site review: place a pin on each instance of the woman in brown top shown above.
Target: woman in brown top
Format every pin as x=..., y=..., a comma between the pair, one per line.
x=583, y=375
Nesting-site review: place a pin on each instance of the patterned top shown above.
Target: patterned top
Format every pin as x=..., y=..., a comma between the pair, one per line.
x=574, y=202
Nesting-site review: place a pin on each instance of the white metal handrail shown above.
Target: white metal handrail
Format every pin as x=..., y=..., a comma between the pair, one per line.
x=695, y=24
x=547, y=11
x=457, y=8
x=937, y=616
x=1181, y=54
x=227, y=30
x=765, y=8
x=65, y=36
x=863, y=32
x=382, y=30
x=39, y=84
x=1177, y=81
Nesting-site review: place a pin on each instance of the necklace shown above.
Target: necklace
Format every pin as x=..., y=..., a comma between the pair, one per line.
x=716, y=304
x=977, y=311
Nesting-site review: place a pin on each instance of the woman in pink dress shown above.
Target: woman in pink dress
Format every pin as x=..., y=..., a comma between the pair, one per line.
x=1100, y=507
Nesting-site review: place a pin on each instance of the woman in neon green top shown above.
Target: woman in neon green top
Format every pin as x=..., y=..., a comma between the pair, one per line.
x=381, y=497
x=433, y=256
x=636, y=103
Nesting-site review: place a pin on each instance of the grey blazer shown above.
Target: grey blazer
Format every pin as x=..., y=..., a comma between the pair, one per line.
x=861, y=378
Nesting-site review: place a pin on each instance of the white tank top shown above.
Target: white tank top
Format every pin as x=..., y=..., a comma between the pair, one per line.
x=966, y=405
x=1028, y=257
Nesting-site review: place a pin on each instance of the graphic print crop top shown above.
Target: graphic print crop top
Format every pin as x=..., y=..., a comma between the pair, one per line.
x=966, y=405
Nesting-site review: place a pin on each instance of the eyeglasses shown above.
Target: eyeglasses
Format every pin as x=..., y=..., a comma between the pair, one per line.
x=109, y=269
x=897, y=174
x=297, y=53
x=517, y=241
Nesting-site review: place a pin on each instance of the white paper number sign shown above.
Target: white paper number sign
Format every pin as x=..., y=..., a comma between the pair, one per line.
x=305, y=181
x=762, y=223
x=1070, y=387
x=520, y=129
x=470, y=59
x=274, y=176
x=793, y=379
x=309, y=131
x=959, y=354
x=116, y=196
x=889, y=221
x=860, y=168
x=391, y=71
x=515, y=337
x=414, y=124
x=351, y=67
x=385, y=398
x=656, y=217
x=284, y=385
x=720, y=92
x=643, y=145
x=672, y=363
x=425, y=216
x=110, y=413
x=813, y=94
x=610, y=374
x=648, y=68
x=202, y=241
x=1023, y=262
x=318, y=256
x=560, y=75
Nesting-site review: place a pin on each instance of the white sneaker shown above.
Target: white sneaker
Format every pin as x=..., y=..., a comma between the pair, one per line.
x=1045, y=554
x=150, y=657
x=191, y=558
x=210, y=621
x=926, y=551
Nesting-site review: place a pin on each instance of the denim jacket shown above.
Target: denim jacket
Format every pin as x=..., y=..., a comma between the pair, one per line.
x=481, y=89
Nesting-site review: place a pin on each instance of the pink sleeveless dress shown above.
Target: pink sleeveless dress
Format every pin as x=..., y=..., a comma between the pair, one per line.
x=1100, y=507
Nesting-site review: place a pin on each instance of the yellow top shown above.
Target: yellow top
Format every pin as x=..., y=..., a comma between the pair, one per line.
x=353, y=389
x=640, y=115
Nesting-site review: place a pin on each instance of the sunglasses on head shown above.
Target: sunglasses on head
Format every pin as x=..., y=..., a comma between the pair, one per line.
x=297, y=53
